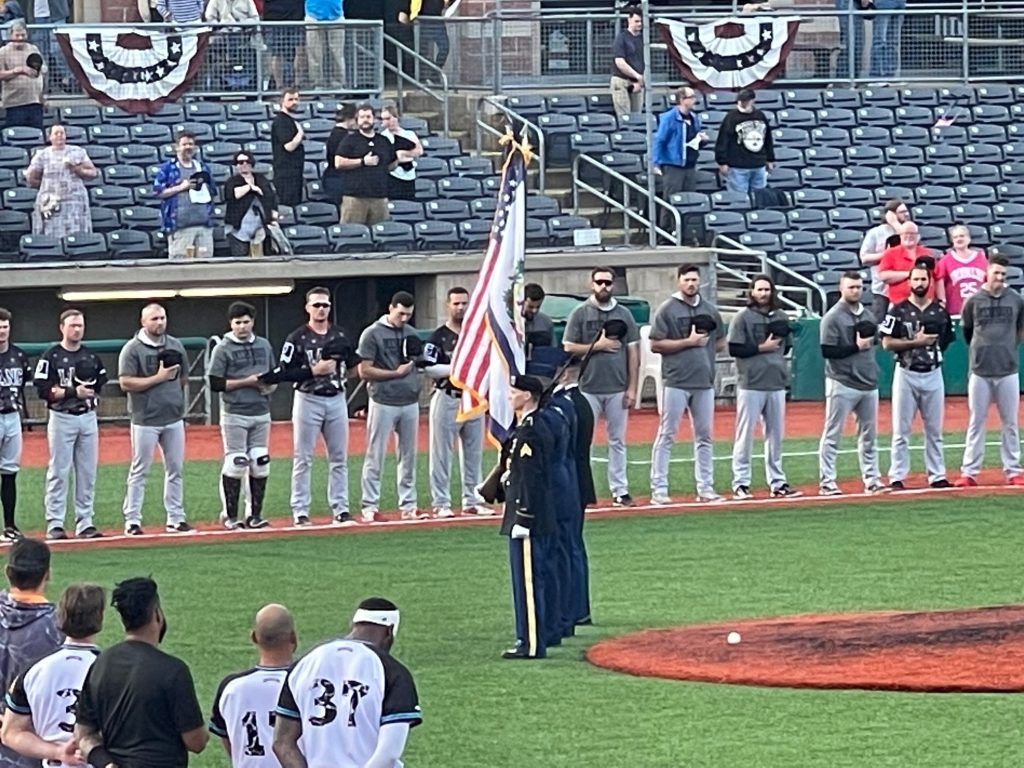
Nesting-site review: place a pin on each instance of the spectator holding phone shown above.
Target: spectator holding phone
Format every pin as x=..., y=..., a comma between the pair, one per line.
x=186, y=188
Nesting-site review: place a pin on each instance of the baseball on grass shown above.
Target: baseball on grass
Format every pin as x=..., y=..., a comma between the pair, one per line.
x=733, y=638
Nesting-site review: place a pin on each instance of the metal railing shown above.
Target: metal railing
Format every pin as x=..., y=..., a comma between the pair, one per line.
x=416, y=78
x=807, y=289
x=488, y=107
x=630, y=188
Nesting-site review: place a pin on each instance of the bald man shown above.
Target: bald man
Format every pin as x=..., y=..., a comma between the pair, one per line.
x=153, y=370
x=244, y=705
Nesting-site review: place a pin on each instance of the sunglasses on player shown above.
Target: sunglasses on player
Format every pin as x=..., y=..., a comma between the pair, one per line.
x=321, y=305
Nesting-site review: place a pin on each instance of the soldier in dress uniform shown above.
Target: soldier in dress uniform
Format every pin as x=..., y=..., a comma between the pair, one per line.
x=529, y=520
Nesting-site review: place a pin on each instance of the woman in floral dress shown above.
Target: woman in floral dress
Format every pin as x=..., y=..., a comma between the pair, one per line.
x=58, y=172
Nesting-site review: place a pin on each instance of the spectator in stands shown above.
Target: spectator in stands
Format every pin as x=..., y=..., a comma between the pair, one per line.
x=876, y=241
x=896, y=263
x=744, y=150
x=22, y=82
x=250, y=203
x=434, y=43
x=58, y=172
x=368, y=158
x=180, y=11
x=961, y=271
x=286, y=137
x=148, y=12
x=185, y=185
x=284, y=41
x=325, y=36
x=627, y=84
x=885, y=38
x=677, y=145
x=397, y=17
x=333, y=178
x=402, y=180
x=49, y=12
x=851, y=26
x=10, y=11
x=232, y=11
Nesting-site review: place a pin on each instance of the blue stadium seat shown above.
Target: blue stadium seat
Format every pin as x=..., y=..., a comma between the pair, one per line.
x=22, y=136
x=824, y=157
x=761, y=241
x=109, y=135
x=888, y=192
x=881, y=97
x=542, y=206
x=447, y=209
x=141, y=155
x=823, y=178
x=940, y=174
x=911, y=135
x=600, y=103
x=558, y=130
x=944, y=154
x=831, y=137
x=996, y=114
x=129, y=244
x=205, y=112
x=318, y=128
x=428, y=167
x=474, y=233
x=234, y=130
x=983, y=153
x=730, y=201
x=124, y=175
x=458, y=188
x=80, y=114
x=936, y=194
x=802, y=99
x=483, y=207
x=839, y=261
x=801, y=262
x=111, y=196
x=116, y=115
x=792, y=137
x=40, y=247
x=843, y=239
x=861, y=176
x=417, y=125
x=537, y=235
x=249, y=111
x=104, y=219
x=932, y=215
x=837, y=118
x=14, y=158
x=314, y=190
x=979, y=235
x=13, y=224
x=900, y=175
x=438, y=146
x=307, y=239
x=1007, y=193
x=801, y=240
x=527, y=106
x=813, y=198
x=425, y=188
x=85, y=246
x=925, y=97
x=320, y=214
x=150, y=133
x=848, y=218
x=262, y=151
x=597, y=122
x=19, y=199
x=900, y=155
x=393, y=236
x=569, y=105
x=405, y=210
x=203, y=132
x=986, y=133
x=1011, y=233
x=767, y=220
x=793, y=156
x=996, y=93
x=628, y=141
x=167, y=114
x=871, y=136
x=725, y=223
x=471, y=166
x=841, y=98
x=561, y=228
x=1012, y=253
x=590, y=143
x=138, y=217
x=101, y=156
x=635, y=121
x=436, y=236
x=932, y=234
x=1004, y=213
x=814, y=219
x=349, y=238
x=797, y=118
x=1012, y=171
x=981, y=173
x=787, y=179
x=76, y=134
x=914, y=115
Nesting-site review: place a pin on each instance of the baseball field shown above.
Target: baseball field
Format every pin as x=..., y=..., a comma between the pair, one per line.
x=649, y=568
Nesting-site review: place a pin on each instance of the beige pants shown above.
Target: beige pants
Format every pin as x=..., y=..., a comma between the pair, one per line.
x=190, y=243
x=625, y=99
x=329, y=40
x=364, y=210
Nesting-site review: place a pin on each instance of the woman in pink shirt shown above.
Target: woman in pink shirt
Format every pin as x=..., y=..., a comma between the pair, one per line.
x=961, y=270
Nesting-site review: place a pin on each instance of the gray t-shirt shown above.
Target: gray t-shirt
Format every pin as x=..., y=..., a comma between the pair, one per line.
x=607, y=373
x=234, y=359
x=381, y=346
x=694, y=367
x=541, y=323
x=875, y=242
x=997, y=323
x=190, y=214
x=859, y=370
x=163, y=403
x=765, y=371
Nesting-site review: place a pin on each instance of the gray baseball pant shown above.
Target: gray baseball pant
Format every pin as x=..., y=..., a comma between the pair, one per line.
x=246, y=441
x=10, y=443
x=840, y=402
x=74, y=443
x=981, y=391
x=314, y=415
x=914, y=391
x=381, y=421
x=769, y=408
x=701, y=405
x=616, y=416
x=145, y=439
x=444, y=431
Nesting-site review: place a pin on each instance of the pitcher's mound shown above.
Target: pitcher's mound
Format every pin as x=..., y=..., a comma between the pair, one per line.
x=975, y=650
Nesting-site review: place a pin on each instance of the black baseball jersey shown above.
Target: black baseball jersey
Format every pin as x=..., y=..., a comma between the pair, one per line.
x=444, y=338
x=15, y=374
x=528, y=488
x=904, y=320
x=302, y=349
x=66, y=370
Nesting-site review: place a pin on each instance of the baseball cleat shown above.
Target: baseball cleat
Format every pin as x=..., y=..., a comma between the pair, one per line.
x=943, y=483
x=661, y=500
x=876, y=488
x=415, y=514
x=89, y=532
x=301, y=521
x=829, y=489
x=742, y=493
x=785, y=491
x=56, y=534
x=11, y=534
x=710, y=497
x=344, y=519
x=897, y=485
x=1017, y=480
x=477, y=511
x=625, y=500
x=443, y=512
x=255, y=521
x=181, y=527
x=966, y=481
x=133, y=529
x=231, y=523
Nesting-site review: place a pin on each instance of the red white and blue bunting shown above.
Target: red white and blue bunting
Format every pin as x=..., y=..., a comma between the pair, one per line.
x=732, y=53
x=133, y=68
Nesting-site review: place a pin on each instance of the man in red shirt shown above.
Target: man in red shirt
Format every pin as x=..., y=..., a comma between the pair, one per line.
x=895, y=264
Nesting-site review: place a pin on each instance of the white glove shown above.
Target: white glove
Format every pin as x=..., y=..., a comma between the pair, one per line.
x=520, y=532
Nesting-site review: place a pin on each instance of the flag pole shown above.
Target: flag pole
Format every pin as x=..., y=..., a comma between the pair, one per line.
x=652, y=206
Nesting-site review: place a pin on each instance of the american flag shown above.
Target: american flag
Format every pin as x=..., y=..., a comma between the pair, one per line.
x=490, y=347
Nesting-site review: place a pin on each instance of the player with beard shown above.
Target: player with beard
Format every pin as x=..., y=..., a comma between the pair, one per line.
x=14, y=375
x=918, y=330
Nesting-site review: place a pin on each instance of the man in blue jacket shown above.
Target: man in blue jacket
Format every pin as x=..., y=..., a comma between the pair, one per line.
x=677, y=144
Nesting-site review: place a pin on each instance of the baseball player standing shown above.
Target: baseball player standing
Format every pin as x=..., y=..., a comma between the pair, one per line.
x=387, y=352
x=152, y=370
x=444, y=429
x=315, y=358
x=14, y=375
x=609, y=380
x=918, y=330
x=238, y=361
x=687, y=332
x=69, y=377
x=993, y=323
x=759, y=339
x=851, y=385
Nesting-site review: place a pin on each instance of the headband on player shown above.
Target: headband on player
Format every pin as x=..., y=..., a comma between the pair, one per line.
x=381, y=618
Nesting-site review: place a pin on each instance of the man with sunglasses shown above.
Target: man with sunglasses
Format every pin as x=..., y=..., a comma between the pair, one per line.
x=316, y=357
x=609, y=380
x=250, y=203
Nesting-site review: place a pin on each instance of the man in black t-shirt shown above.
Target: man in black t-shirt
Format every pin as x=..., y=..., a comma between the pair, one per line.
x=138, y=707
x=286, y=136
x=366, y=159
x=334, y=179
x=627, y=83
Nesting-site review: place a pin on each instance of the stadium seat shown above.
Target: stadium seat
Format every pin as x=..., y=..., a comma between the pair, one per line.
x=597, y=122
x=22, y=136
x=881, y=97
x=205, y=112
x=831, y=137
x=447, y=209
x=911, y=135
x=19, y=199
x=248, y=111
x=848, y=218
x=474, y=233
x=527, y=106
x=426, y=189
x=101, y=156
x=76, y=134
x=13, y=224
x=483, y=207
x=797, y=118
x=314, y=191
x=914, y=115
x=979, y=235
x=1011, y=233
x=983, y=153
x=981, y=173
x=948, y=175
x=428, y=167
x=561, y=228
x=767, y=100
x=167, y=114
x=839, y=261
x=730, y=201
x=725, y=223
x=786, y=179
x=985, y=133
x=822, y=178
x=761, y=241
x=900, y=155
x=861, y=176
x=1005, y=213
x=634, y=121
x=600, y=103
x=109, y=135
x=124, y=175
x=537, y=235
x=221, y=151
x=129, y=244
x=393, y=236
x=972, y=213
x=1012, y=172
x=104, y=219
x=405, y=210
x=471, y=166
x=557, y=131
x=350, y=238
x=814, y=219
x=307, y=239
x=436, y=236
x=1012, y=192
x=791, y=137
x=813, y=198
x=458, y=188
x=138, y=217
x=318, y=128
x=542, y=206
x=871, y=136
x=14, y=158
x=417, y=125
x=590, y=143
x=628, y=141
x=85, y=246
x=137, y=154
x=842, y=98
x=437, y=146
x=837, y=117
x=303, y=111
x=111, y=196
x=888, y=192
x=936, y=194
x=1012, y=253
x=934, y=215
x=802, y=99
x=801, y=262
x=843, y=239
x=995, y=93
x=824, y=157
x=40, y=247
x=801, y=240
x=320, y=214
x=944, y=154
x=931, y=233
x=766, y=220
x=900, y=175
x=80, y=114
x=150, y=133
x=262, y=151
x=791, y=156
x=234, y=130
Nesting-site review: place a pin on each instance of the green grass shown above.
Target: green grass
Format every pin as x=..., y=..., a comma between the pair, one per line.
x=452, y=586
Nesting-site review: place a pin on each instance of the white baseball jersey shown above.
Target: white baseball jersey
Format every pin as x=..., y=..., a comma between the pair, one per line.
x=342, y=692
x=243, y=713
x=48, y=691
